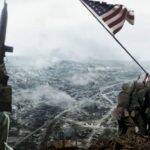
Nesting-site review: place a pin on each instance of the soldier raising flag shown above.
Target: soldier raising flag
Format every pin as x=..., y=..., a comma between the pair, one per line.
x=132, y=109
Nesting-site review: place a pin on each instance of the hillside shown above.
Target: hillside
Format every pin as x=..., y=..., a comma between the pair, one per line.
x=64, y=100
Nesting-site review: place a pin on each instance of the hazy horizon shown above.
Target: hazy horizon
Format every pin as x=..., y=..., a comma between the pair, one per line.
x=66, y=29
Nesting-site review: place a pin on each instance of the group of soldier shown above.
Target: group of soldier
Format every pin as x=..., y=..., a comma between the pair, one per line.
x=133, y=109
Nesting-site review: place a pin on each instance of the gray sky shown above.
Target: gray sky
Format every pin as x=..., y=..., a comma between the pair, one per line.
x=65, y=29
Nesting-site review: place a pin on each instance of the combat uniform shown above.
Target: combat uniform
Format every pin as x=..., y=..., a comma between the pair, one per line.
x=147, y=107
x=136, y=107
x=4, y=128
x=123, y=102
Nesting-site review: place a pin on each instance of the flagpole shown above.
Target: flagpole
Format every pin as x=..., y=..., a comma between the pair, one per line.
x=123, y=47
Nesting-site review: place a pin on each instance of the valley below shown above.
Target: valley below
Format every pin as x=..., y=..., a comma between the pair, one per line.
x=65, y=100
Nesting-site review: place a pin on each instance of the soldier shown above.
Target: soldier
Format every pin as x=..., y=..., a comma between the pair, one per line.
x=123, y=116
x=4, y=128
x=136, y=106
x=147, y=105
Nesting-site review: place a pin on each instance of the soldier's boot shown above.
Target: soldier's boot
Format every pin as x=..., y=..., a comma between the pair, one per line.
x=4, y=129
x=120, y=131
x=122, y=127
x=131, y=126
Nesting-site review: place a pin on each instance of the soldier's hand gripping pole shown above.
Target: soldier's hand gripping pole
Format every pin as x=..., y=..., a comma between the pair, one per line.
x=146, y=78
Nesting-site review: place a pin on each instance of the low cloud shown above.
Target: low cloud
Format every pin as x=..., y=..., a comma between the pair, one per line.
x=38, y=28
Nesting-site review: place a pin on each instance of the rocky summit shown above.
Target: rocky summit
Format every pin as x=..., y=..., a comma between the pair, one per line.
x=65, y=102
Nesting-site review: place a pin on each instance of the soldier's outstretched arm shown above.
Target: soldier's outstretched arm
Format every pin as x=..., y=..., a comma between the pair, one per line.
x=146, y=77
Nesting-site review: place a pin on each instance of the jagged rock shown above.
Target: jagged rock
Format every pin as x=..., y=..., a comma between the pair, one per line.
x=127, y=142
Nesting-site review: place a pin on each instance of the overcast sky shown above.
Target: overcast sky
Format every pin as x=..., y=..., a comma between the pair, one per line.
x=64, y=28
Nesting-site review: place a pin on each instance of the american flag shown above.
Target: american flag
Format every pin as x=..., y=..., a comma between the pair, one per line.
x=114, y=16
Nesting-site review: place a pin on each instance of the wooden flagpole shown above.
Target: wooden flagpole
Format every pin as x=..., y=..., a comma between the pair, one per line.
x=123, y=47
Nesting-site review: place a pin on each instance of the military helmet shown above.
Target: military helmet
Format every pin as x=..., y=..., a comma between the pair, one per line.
x=125, y=86
x=139, y=85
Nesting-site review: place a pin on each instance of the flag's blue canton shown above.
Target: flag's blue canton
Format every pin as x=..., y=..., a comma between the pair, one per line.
x=99, y=8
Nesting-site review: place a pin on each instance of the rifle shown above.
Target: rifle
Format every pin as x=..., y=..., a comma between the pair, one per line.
x=5, y=89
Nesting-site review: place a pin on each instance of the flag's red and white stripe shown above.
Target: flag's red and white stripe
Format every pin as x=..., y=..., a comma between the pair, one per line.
x=116, y=17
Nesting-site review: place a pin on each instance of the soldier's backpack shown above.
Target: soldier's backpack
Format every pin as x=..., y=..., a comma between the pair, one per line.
x=6, y=98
